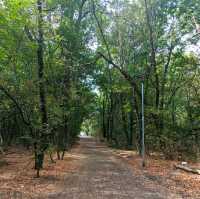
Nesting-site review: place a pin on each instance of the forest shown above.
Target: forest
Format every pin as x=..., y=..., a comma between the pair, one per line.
x=72, y=66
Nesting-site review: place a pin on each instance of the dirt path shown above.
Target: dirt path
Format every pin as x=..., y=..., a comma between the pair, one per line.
x=104, y=176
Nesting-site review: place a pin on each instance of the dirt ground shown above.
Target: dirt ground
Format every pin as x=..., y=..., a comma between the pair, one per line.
x=17, y=176
x=163, y=172
x=93, y=171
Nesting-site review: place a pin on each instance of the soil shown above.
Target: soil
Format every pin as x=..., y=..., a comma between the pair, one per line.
x=91, y=170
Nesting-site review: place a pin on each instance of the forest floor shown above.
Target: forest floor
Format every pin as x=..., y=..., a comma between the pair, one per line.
x=93, y=171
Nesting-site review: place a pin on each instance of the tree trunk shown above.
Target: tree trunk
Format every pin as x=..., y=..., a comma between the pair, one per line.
x=132, y=142
x=162, y=101
x=124, y=121
x=40, y=149
x=138, y=116
x=66, y=105
x=1, y=144
x=103, y=119
x=40, y=55
x=111, y=117
x=153, y=64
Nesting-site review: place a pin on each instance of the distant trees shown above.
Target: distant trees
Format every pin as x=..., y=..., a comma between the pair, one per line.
x=67, y=65
x=145, y=40
x=45, y=65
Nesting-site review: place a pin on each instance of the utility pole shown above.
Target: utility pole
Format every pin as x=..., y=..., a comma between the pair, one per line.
x=143, y=137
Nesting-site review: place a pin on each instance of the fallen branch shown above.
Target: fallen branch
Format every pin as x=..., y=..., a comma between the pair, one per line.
x=188, y=169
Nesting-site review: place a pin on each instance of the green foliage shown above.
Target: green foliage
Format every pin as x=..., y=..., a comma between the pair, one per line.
x=169, y=125
x=86, y=92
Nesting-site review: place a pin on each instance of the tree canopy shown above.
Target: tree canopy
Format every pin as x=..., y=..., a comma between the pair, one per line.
x=72, y=66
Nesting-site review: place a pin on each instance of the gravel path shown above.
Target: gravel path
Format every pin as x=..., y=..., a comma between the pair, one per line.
x=104, y=176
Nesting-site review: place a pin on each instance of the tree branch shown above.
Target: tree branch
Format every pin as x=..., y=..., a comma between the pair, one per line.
x=16, y=104
x=124, y=73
